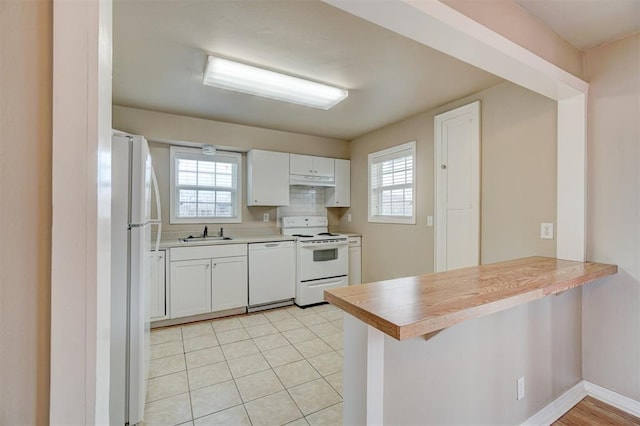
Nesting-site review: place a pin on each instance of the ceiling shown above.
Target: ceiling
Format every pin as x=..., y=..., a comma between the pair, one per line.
x=159, y=51
x=587, y=23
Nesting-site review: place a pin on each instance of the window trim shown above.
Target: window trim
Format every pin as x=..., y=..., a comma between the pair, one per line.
x=405, y=220
x=173, y=219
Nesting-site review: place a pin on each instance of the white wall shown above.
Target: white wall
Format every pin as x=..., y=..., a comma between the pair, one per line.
x=467, y=374
x=161, y=126
x=518, y=148
x=81, y=223
x=510, y=20
x=158, y=125
x=611, y=311
x=25, y=210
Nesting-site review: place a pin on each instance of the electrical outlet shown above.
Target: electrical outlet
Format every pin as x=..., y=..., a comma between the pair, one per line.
x=520, y=388
x=546, y=231
x=429, y=220
x=348, y=217
x=265, y=217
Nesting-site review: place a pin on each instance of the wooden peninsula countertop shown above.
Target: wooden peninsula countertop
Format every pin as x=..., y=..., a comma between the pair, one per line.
x=423, y=305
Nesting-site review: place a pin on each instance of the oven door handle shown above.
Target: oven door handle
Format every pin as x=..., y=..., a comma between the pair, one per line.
x=324, y=247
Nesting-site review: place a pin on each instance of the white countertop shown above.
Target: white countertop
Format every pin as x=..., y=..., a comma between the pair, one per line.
x=173, y=243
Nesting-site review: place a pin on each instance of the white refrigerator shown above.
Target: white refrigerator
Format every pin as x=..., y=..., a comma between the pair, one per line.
x=132, y=182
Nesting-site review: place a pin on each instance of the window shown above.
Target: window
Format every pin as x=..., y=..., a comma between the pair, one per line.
x=392, y=185
x=205, y=188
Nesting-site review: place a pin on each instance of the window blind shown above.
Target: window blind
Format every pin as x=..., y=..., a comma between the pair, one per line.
x=392, y=182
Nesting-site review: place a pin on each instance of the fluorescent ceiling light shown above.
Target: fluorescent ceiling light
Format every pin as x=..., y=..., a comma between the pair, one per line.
x=230, y=75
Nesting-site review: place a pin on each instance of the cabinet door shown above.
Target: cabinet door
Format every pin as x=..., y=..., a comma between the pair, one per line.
x=355, y=265
x=340, y=196
x=229, y=283
x=300, y=164
x=323, y=166
x=267, y=178
x=157, y=307
x=190, y=287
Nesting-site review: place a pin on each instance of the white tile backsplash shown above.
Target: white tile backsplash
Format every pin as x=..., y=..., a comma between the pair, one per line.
x=304, y=201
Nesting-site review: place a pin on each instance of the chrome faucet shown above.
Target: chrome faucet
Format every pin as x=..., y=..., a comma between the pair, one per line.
x=205, y=233
x=221, y=232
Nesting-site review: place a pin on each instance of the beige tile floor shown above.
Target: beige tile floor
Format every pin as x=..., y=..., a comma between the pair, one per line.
x=282, y=366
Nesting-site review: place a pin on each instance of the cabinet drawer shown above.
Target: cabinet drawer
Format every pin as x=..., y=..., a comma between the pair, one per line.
x=208, y=252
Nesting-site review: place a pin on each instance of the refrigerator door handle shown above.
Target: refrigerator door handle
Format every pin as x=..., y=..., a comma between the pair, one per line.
x=158, y=219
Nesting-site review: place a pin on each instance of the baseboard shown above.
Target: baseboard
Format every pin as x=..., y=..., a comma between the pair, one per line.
x=610, y=397
x=558, y=407
x=200, y=317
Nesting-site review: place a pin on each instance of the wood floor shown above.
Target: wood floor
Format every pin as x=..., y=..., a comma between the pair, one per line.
x=590, y=411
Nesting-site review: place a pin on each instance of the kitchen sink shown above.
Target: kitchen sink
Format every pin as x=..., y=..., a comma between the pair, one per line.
x=200, y=239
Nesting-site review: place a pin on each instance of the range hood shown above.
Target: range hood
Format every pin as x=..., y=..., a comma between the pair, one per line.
x=312, y=180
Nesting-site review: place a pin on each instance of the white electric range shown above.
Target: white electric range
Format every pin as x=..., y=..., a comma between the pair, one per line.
x=322, y=257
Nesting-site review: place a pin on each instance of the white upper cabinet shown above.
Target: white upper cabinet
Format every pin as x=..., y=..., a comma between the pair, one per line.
x=310, y=165
x=267, y=178
x=340, y=195
x=324, y=166
x=300, y=164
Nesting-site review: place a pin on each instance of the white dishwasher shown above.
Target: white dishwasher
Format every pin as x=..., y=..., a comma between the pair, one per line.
x=272, y=274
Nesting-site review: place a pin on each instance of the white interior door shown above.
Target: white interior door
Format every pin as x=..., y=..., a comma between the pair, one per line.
x=458, y=188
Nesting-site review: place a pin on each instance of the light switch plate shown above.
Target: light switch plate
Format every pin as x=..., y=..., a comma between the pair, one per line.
x=348, y=217
x=546, y=231
x=429, y=220
x=265, y=217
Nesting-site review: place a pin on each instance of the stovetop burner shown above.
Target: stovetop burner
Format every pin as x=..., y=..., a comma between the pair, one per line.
x=308, y=228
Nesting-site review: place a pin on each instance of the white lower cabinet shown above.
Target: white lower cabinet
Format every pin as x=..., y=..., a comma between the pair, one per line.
x=355, y=260
x=207, y=279
x=157, y=284
x=229, y=287
x=190, y=287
